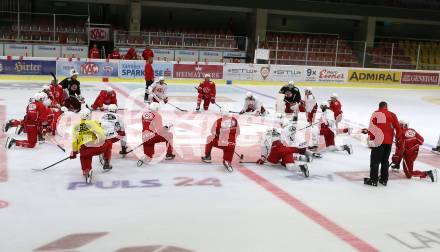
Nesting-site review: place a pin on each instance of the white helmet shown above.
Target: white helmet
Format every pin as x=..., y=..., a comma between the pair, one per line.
x=46, y=88
x=85, y=114
x=249, y=95
x=109, y=89
x=308, y=89
x=73, y=72
x=207, y=76
x=112, y=108
x=64, y=109
x=154, y=106
x=334, y=95
x=43, y=96
x=325, y=103
x=291, y=83
x=403, y=123
x=161, y=78
x=37, y=96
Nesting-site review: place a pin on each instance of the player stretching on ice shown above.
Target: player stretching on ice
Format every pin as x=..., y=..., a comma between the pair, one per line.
x=153, y=132
x=292, y=97
x=336, y=106
x=89, y=140
x=327, y=128
x=206, y=92
x=253, y=105
x=34, y=122
x=56, y=94
x=408, y=149
x=224, y=134
x=105, y=98
x=114, y=127
x=158, y=91
x=309, y=105
x=274, y=150
x=72, y=90
x=293, y=138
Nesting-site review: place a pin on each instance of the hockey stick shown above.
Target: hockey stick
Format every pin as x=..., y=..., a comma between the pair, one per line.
x=217, y=105
x=311, y=125
x=241, y=156
x=183, y=110
x=47, y=167
x=134, y=148
x=234, y=112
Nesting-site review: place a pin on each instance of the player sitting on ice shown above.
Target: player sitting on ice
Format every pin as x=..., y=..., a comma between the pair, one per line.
x=407, y=148
x=105, y=98
x=72, y=91
x=437, y=148
x=294, y=138
x=223, y=136
x=88, y=139
x=153, y=132
x=206, y=92
x=158, y=91
x=309, y=105
x=114, y=127
x=274, y=150
x=292, y=98
x=327, y=128
x=253, y=105
x=35, y=120
x=336, y=106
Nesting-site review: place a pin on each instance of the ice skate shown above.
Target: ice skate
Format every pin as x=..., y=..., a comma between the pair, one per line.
x=432, y=175
x=7, y=126
x=349, y=149
x=107, y=167
x=305, y=170
x=10, y=142
x=228, y=166
x=370, y=182
x=89, y=177
x=206, y=159
x=170, y=156
x=123, y=151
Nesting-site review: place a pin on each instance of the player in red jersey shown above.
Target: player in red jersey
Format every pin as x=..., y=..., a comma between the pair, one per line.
x=104, y=99
x=206, y=92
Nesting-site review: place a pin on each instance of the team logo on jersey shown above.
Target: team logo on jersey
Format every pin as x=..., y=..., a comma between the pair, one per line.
x=73, y=87
x=109, y=117
x=228, y=123
x=32, y=106
x=410, y=134
x=289, y=94
x=148, y=116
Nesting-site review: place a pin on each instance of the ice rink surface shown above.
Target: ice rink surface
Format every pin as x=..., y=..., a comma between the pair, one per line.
x=186, y=205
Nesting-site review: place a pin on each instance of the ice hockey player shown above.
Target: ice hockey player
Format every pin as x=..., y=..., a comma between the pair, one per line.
x=56, y=94
x=72, y=90
x=114, y=127
x=153, y=132
x=252, y=105
x=35, y=120
x=53, y=118
x=274, y=150
x=294, y=138
x=224, y=133
x=88, y=140
x=437, y=148
x=158, y=91
x=336, y=107
x=149, y=77
x=408, y=149
x=292, y=97
x=17, y=122
x=309, y=106
x=327, y=128
x=206, y=92
x=105, y=98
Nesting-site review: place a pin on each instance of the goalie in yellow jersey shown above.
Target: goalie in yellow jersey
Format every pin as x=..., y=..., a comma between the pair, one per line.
x=89, y=140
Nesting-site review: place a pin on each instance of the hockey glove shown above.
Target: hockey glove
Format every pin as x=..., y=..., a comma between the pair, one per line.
x=165, y=100
x=73, y=155
x=261, y=160
x=213, y=100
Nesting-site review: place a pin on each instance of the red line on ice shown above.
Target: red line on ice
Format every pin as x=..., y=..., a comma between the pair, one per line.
x=312, y=214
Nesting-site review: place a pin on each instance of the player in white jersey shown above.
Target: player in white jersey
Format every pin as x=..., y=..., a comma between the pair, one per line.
x=309, y=106
x=274, y=151
x=114, y=127
x=158, y=91
x=327, y=128
x=294, y=138
x=252, y=105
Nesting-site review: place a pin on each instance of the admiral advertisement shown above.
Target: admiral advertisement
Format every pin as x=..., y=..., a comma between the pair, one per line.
x=193, y=71
x=325, y=74
x=18, y=50
x=74, y=51
x=263, y=72
x=423, y=78
x=372, y=76
x=27, y=67
x=135, y=69
x=47, y=50
x=107, y=69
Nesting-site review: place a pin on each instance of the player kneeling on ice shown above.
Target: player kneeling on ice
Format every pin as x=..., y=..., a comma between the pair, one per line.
x=309, y=105
x=114, y=127
x=407, y=148
x=274, y=150
x=206, y=92
x=158, y=91
x=224, y=134
x=327, y=128
x=105, y=98
x=89, y=140
x=336, y=106
x=292, y=98
x=252, y=105
x=153, y=132
x=34, y=123
x=296, y=139
x=72, y=91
